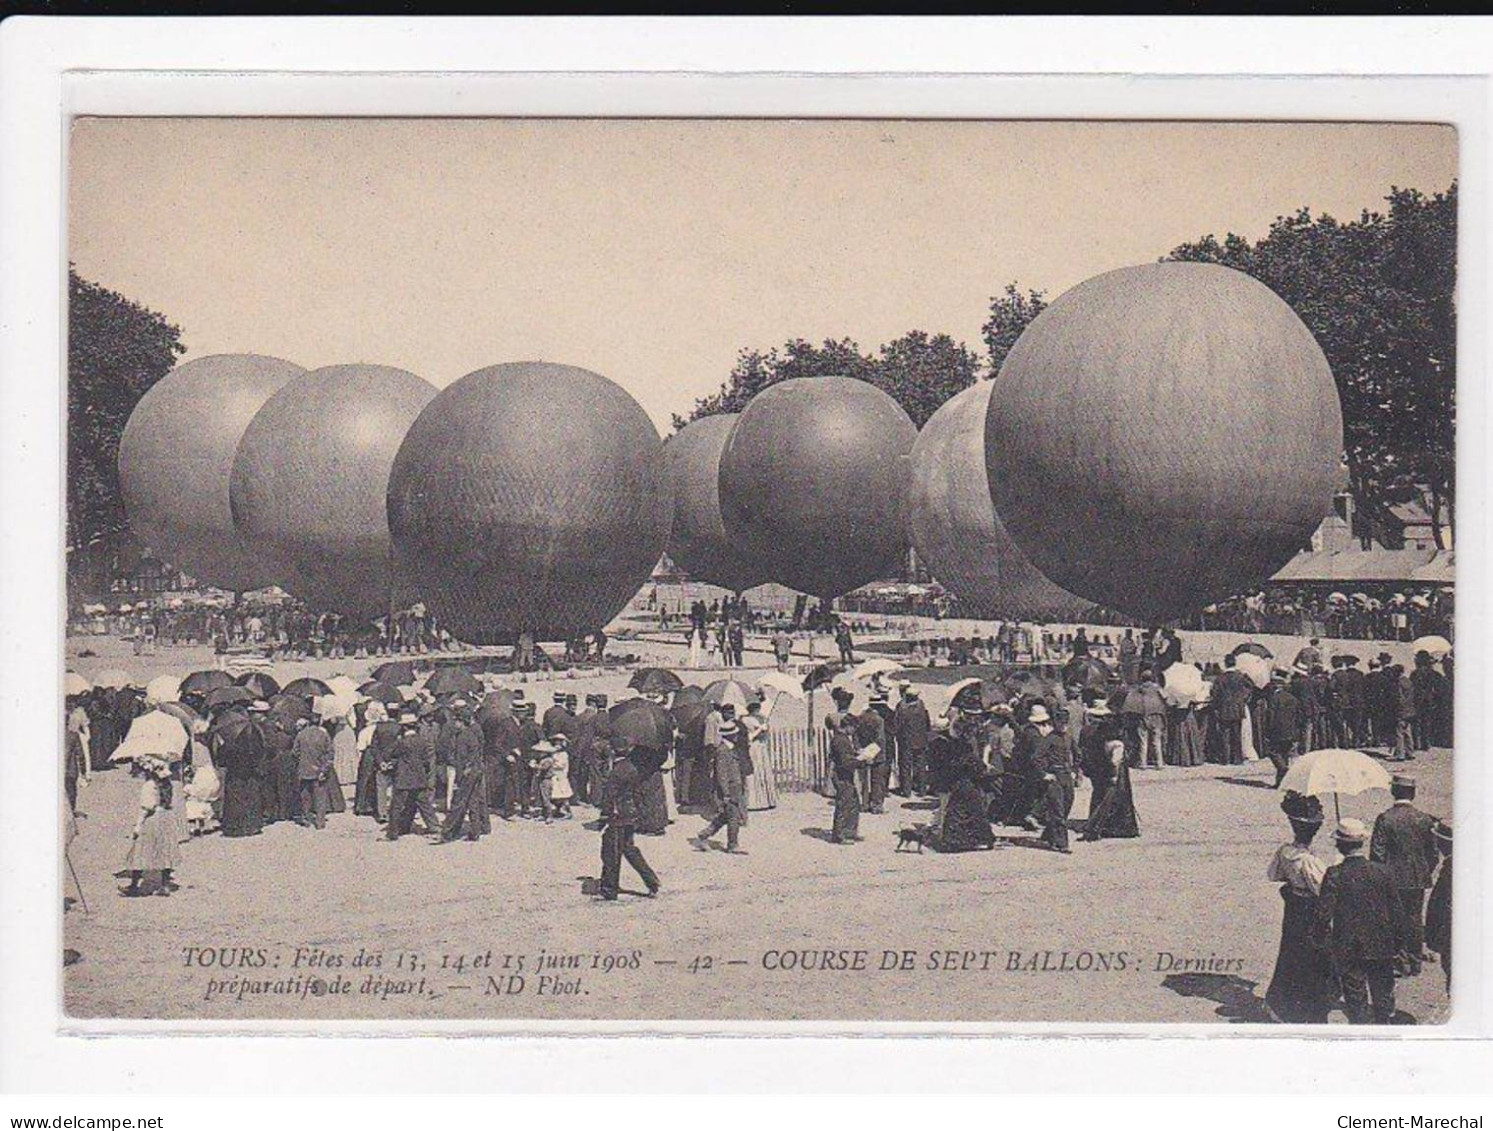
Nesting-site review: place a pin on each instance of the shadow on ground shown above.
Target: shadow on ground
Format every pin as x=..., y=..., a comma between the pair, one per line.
x=1235, y=995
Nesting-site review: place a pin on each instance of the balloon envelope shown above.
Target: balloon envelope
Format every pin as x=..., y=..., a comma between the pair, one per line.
x=813, y=483
x=955, y=528
x=529, y=495
x=176, y=462
x=311, y=478
x=1162, y=437
x=698, y=542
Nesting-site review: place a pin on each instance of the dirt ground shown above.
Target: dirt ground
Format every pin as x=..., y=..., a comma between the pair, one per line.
x=1177, y=926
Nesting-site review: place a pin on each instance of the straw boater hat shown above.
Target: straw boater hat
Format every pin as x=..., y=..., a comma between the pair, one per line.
x=259, y=705
x=1443, y=832
x=1404, y=783
x=1038, y=714
x=1351, y=833
x=544, y=746
x=408, y=718
x=908, y=690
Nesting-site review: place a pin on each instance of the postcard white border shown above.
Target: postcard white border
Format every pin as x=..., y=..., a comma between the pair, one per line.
x=54, y=68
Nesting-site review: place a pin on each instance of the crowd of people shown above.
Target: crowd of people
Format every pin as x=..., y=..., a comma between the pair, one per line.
x=1400, y=613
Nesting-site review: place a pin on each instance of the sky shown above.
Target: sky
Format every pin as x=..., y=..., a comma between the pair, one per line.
x=652, y=251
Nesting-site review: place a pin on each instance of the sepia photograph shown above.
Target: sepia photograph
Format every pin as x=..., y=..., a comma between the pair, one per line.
x=651, y=570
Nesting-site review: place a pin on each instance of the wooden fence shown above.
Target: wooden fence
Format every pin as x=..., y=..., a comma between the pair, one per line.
x=800, y=760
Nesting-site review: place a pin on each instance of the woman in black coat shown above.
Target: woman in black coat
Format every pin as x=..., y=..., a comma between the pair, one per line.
x=966, y=821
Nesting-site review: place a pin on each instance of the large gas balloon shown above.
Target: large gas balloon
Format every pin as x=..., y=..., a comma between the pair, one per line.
x=1162, y=437
x=176, y=459
x=813, y=483
x=698, y=542
x=955, y=528
x=311, y=479
x=529, y=495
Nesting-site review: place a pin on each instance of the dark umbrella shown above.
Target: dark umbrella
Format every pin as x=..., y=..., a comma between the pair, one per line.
x=200, y=683
x=822, y=675
x=305, y=687
x=640, y=723
x=228, y=696
x=650, y=680
x=980, y=696
x=397, y=672
x=1254, y=650
x=262, y=684
x=453, y=681
x=385, y=693
x=230, y=724
x=1088, y=672
x=289, y=705
x=687, y=695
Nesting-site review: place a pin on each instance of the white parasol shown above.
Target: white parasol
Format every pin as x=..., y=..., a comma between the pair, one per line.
x=869, y=669
x=74, y=684
x=154, y=734
x=782, y=682
x=163, y=689
x=1437, y=646
x=1336, y=772
x=1182, y=685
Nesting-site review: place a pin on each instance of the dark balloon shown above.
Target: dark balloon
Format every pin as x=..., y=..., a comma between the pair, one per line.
x=311, y=479
x=529, y=495
x=1164, y=436
x=813, y=483
x=955, y=529
x=698, y=542
x=176, y=460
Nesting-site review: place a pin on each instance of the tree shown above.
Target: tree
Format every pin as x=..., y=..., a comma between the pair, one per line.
x=755, y=370
x=918, y=370
x=1011, y=312
x=116, y=350
x=922, y=372
x=1378, y=294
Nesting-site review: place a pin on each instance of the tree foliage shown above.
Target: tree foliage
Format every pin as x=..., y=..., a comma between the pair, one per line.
x=1011, y=312
x=918, y=370
x=1379, y=295
x=116, y=350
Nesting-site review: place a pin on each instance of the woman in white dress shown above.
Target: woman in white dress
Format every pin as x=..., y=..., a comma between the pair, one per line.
x=762, y=793
x=153, y=843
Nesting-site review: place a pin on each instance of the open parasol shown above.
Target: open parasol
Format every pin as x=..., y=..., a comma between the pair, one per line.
x=453, y=680
x=154, y=734
x=306, y=687
x=163, y=689
x=654, y=681
x=731, y=691
x=1437, y=646
x=869, y=669
x=74, y=684
x=780, y=682
x=396, y=672
x=822, y=674
x=230, y=696
x=200, y=683
x=261, y=684
x=1182, y=685
x=1336, y=772
x=1253, y=648
x=113, y=678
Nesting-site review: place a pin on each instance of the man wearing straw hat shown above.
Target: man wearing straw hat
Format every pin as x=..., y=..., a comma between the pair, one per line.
x=1358, y=924
x=1404, y=841
x=730, y=790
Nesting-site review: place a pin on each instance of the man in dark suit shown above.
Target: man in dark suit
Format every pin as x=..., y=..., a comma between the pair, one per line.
x=1358, y=924
x=620, y=806
x=1404, y=841
x=412, y=761
x=1353, y=704
x=912, y=726
x=1231, y=694
x=1283, y=726
x=468, y=809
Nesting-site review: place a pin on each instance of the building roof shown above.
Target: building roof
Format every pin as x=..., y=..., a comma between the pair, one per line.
x=1427, y=567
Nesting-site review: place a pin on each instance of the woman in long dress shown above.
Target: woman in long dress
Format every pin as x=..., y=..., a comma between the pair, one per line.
x=153, y=845
x=762, y=791
x=966, y=819
x=1302, y=988
x=1112, y=812
x=240, y=754
x=344, y=756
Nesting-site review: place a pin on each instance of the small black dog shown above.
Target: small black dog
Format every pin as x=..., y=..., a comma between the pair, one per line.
x=916, y=835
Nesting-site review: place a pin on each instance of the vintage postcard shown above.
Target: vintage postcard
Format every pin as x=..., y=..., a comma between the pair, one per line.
x=759, y=570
